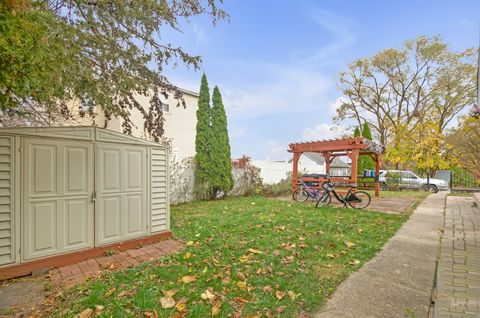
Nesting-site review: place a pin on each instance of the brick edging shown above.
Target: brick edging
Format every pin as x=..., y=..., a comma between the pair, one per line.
x=17, y=270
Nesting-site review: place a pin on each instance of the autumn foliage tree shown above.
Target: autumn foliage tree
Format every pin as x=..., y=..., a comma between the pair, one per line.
x=102, y=53
x=409, y=96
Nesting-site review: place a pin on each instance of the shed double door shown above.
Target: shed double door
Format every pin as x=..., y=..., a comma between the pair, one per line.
x=76, y=198
x=57, y=184
x=121, y=198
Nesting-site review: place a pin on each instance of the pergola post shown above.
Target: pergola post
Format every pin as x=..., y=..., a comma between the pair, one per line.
x=377, y=175
x=327, y=162
x=296, y=156
x=354, y=171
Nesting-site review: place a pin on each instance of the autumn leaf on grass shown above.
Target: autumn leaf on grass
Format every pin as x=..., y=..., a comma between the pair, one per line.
x=330, y=255
x=241, y=276
x=292, y=295
x=110, y=292
x=216, y=308
x=181, y=304
x=243, y=258
x=254, y=251
x=170, y=293
x=188, y=279
x=208, y=294
x=187, y=255
x=98, y=310
x=151, y=314
x=189, y=243
x=167, y=302
x=349, y=244
x=267, y=289
x=279, y=294
x=241, y=285
x=281, y=309
x=85, y=314
x=354, y=262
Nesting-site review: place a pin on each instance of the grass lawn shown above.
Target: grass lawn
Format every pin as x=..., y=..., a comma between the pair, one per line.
x=245, y=257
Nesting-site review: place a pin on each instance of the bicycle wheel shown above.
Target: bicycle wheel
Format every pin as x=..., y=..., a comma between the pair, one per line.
x=324, y=200
x=300, y=195
x=359, y=199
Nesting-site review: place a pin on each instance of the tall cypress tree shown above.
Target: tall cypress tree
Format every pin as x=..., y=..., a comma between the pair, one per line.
x=357, y=133
x=203, y=138
x=367, y=161
x=222, y=179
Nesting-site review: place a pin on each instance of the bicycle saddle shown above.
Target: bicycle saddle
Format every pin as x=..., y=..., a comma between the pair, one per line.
x=353, y=185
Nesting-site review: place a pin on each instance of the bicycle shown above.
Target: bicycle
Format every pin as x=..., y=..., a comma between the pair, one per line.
x=356, y=199
x=304, y=192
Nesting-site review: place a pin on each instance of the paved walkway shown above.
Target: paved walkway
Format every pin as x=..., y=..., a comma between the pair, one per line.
x=458, y=278
x=398, y=281
x=74, y=274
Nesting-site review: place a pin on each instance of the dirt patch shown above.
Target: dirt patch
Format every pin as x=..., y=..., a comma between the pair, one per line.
x=19, y=297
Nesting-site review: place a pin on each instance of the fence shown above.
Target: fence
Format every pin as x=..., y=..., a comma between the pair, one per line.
x=464, y=181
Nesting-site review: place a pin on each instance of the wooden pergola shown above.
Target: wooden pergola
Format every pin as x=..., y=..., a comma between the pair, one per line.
x=330, y=149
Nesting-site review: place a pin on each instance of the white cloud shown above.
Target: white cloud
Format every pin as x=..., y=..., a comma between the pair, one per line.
x=333, y=106
x=200, y=36
x=325, y=131
x=468, y=24
x=275, y=149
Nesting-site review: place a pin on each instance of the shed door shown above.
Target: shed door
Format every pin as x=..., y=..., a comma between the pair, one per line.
x=57, y=183
x=121, y=208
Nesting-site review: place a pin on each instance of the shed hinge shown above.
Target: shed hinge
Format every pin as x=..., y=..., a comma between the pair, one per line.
x=94, y=196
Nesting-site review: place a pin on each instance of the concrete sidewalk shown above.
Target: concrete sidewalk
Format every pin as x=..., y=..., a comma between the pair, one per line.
x=398, y=281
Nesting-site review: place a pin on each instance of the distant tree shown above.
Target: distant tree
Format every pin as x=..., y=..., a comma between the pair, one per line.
x=395, y=89
x=367, y=161
x=102, y=53
x=222, y=179
x=464, y=142
x=204, y=166
x=356, y=132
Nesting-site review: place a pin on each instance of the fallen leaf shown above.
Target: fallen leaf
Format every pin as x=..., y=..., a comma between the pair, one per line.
x=215, y=261
x=331, y=255
x=188, y=279
x=243, y=258
x=189, y=243
x=292, y=295
x=110, y=292
x=181, y=307
x=254, y=251
x=207, y=295
x=187, y=255
x=98, y=309
x=281, y=309
x=241, y=285
x=349, y=244
x=267, y=289
x=171, y=292
x=279, y=294
x=85, y=314
x=216, y=308
x=167, y=302
x=152, y=314
x=241, y=276
x=354, y=262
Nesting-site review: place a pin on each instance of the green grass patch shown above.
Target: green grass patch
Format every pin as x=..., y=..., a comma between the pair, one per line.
x=255, y=256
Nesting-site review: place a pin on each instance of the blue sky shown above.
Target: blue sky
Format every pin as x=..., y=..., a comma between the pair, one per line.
x=277, y=62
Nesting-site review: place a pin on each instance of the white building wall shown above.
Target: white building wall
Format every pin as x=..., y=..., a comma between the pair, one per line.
x=275, y=171
x=179, y=125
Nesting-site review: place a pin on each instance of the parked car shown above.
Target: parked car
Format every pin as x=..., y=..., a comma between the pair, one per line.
x=390, y=179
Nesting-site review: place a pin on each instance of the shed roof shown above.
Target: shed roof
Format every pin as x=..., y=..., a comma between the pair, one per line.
x=86, y=133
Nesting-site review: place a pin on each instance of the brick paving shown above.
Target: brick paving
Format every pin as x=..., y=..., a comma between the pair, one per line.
x=458, y=272
x=74, y=274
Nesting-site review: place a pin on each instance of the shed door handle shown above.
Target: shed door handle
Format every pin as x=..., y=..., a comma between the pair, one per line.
x=94, y=196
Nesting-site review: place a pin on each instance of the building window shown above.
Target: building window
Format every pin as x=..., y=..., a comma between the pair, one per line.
x=165, y=107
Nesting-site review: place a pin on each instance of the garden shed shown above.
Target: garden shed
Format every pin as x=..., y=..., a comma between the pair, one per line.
x=77, y=190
